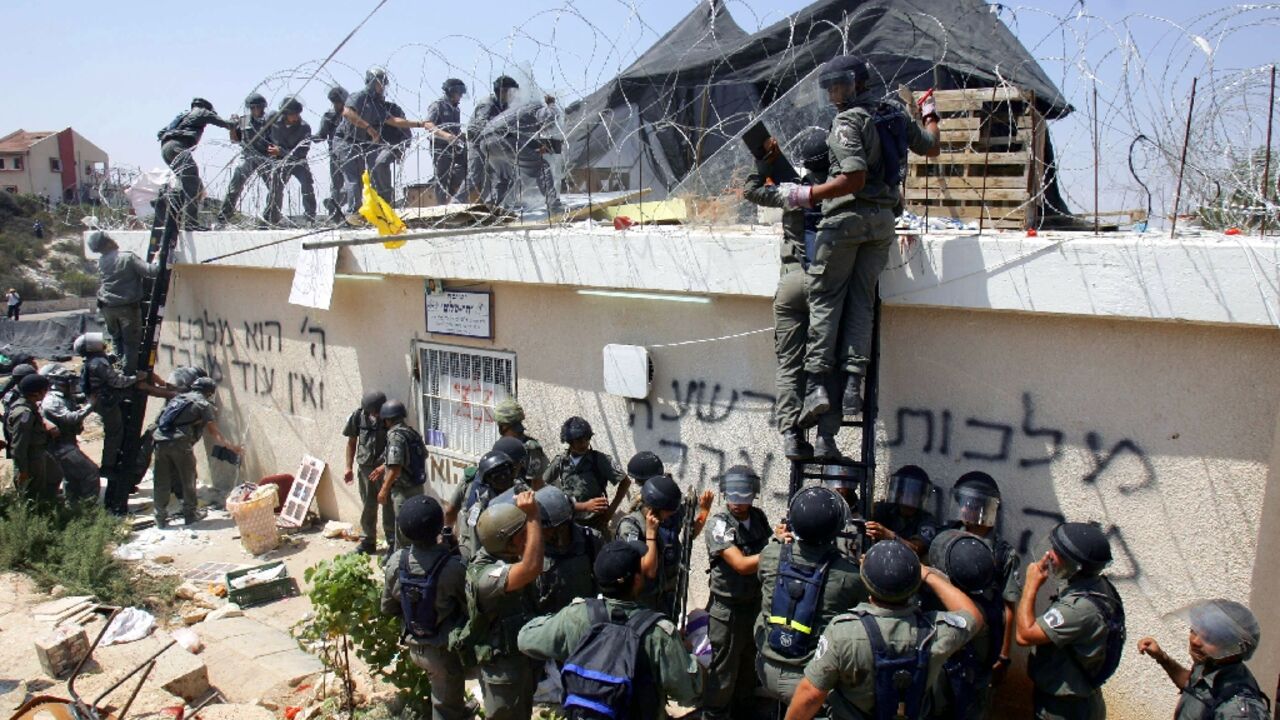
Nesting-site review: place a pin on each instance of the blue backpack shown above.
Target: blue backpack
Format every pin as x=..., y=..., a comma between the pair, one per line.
x=793, y=614
x=1112, y=609
x=173, y=410
x=414, y=470
x=418, y=598
x=901, y=680
x=173, y=125
x=601, y=675
x=891, y=127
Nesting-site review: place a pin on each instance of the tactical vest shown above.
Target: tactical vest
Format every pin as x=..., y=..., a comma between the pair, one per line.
x=796, y=606
x=901, y=681
x=738, y=589
x=418, y=598
x=1111, y=607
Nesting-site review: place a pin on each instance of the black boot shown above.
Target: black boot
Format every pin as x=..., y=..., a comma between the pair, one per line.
x=794, y=446
x=825, y=448
x=852, y=401
x=816, y=402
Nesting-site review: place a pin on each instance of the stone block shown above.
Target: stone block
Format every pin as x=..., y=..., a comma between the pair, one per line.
x=182, y=674
x=61, y=650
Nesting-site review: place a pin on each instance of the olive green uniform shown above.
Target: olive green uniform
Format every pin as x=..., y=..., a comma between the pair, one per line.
x=397, y=455
x=853, y=243
x=584, y=478
x=844, y=664
x=1208, y=687
x=659, y=593
x=568, y=570
x=536, y=464
x=80, y=473
x=371, y=443
x=507, y=677
x=843, y=589
x=1077, y=633
x=120, y=291
x=733, y=607
x=175, y=458
x=671, y=667
x=29, y=446
x=469, y=514
x=448, y=694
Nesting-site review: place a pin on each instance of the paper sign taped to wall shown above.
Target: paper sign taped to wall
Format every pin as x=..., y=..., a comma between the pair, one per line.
x=313, y=278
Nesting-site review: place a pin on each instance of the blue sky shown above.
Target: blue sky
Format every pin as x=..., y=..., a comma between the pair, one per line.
x=117, y=72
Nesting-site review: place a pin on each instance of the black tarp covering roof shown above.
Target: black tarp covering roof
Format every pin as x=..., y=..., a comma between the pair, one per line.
x=703, y=81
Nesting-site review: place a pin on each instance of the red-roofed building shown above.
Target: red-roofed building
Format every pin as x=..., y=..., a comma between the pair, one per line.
x=59, y=166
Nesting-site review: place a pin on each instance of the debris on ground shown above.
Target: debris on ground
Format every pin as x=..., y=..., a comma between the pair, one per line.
x=129, y=625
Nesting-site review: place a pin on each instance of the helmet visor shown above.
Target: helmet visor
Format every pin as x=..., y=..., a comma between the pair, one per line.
x=974, y=506
x=1224, y=633
x=907, y=491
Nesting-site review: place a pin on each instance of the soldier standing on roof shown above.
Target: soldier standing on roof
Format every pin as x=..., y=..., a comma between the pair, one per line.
x=328, y=126
x=177, y=142
x=253, y=133
x=505, y=94
x=449, y=158
x=290, y=138
x=869, y=141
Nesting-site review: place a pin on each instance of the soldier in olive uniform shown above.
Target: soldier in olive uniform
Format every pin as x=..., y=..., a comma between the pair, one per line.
x=420, y=521
x=904, y=513
x=859, y=204
x=253, y=133
x=366, y=443
x=1076, y=641
x=64, y=412
x=786, y=634
x=179, y=428
x=503, y=596
x=585, y=475
x=671, y=672
x=658, y=523
x=975, y=506
x=449, y=157
x=121, y=275
x=1218, y=686
x=843, y=672
x=495, y=475
x=403, y=444
x=571, y=550
x=734, y=543
x=36, y=472
x=509, y=416
x=845, y=482
x=963, y=690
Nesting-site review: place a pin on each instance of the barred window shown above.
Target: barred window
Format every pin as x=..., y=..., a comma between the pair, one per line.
x=460, y=387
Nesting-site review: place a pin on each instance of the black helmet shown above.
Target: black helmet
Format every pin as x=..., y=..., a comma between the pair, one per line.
x=502, y=83
x=644, y=465
x=891, y=571
x=376, y=74
x=454, y=85
x=291, y=105
x=975, y=499
x=963, y=558
x=909, y=486
x=372, y=401
x=817, y=514
x=575, y=428
x=814, y=152
x=392, y=410
x=337, y=93
x=204, y=385
x=661, y=493
x=844, y=70
x=740, y=484
x=420, y=518
x=201, y=103
x=33, y=383
x=497, y=470
x=1082, y=547
x=513, y=449
x=255, y=100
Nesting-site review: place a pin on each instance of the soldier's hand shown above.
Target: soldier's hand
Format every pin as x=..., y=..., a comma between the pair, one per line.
x=705, y=500
x=375, y=476
x=528, y=503
x=1149, y=646
x=651, y=522
x=771, y=150
x=374, y=135
x=782, y=533
x=53, y=430
x=384, y=495
x=1038, y=572
x=876, y=531
x=348, y=477
x=596, y=505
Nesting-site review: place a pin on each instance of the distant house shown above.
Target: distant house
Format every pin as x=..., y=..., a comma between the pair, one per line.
x=59, y=166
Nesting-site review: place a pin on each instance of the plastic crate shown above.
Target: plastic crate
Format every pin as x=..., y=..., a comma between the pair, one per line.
x=263, y=593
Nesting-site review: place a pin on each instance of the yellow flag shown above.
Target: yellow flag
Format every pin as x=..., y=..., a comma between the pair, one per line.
x=380, y=214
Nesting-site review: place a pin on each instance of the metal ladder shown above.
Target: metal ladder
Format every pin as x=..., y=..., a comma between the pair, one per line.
x=865, y=460
x=164, y=236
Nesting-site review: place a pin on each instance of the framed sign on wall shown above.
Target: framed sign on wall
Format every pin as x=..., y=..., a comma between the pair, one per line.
x=461, y=313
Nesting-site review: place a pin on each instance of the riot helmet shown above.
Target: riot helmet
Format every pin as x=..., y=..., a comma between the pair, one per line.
x=1225, y=629
x=963, y=558
x=575, y=428
x=393, y=410
x=815, y=156
x=497, y=526
x=842, y=476
x=504, y=82
x=291, y=106
x=851, y=70
x=182, y=377
x=555, y=506
x=909, y=487
x=497, y=470
x=420, y=519
x=454, y=86
x=57, y=373
x=375, y=75
x=202, y=104
x=255, y=100
x=817, y=514
x=204, y=385
x=1078, y=548
x=975, y=499
x=513, y=449
x=22, y=370
x=644, y=465
x=372, y=401
x=33, y=383
x=89, y=343
x=661, y=493
x=337, y=94
x=740, y=485
x=891, y=571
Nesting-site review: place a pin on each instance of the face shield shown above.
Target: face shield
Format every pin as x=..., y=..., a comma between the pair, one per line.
x=974, y=506
x=1225, y=629
x=909, y=491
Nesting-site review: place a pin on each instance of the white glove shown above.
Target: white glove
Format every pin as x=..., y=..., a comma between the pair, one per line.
x=928, y=107
x=796, y=196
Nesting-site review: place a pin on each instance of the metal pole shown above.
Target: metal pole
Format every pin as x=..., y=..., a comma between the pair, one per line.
x=1266, y=158
x=1182, y=164
x=1096, y=219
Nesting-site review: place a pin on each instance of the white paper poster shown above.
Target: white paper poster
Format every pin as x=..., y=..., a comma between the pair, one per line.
x=313, y=278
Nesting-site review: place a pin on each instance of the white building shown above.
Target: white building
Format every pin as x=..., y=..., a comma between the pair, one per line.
x=59, y=166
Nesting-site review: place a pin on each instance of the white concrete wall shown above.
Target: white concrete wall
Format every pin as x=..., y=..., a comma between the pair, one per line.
x=1165, y=432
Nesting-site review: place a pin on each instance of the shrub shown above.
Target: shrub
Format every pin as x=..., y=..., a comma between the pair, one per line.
x=77, y=282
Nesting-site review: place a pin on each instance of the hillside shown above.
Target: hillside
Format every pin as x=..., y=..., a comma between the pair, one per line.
x=48, y=268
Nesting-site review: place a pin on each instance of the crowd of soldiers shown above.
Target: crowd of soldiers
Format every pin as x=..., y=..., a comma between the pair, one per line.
x=504, y=145
x=45, y=408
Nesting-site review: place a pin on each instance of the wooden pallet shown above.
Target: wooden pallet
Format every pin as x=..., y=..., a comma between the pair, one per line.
x=991, y=162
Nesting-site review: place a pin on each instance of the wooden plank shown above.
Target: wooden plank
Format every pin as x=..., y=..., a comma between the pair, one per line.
x=964, y=157
x=944, y=183
x=657, y=211
x=975, y=122
x=972, y=98
x=974, y=195
x=973, y=136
